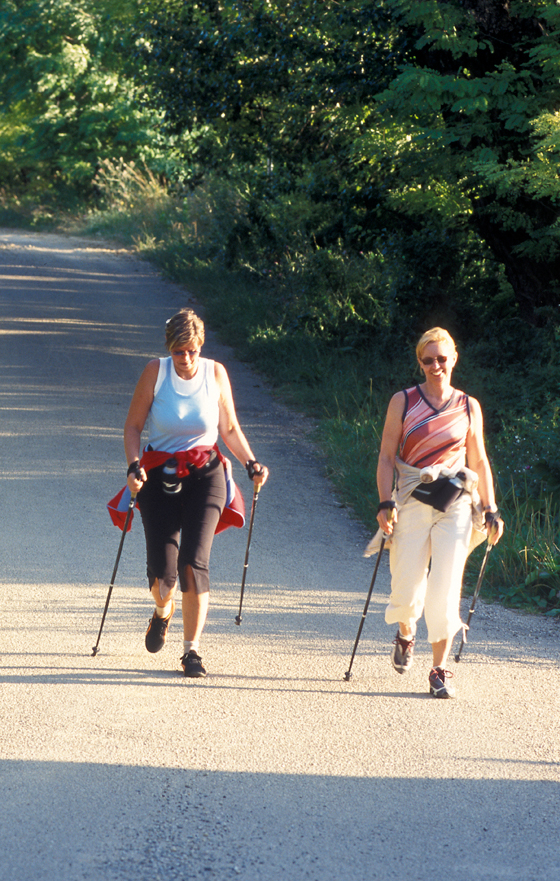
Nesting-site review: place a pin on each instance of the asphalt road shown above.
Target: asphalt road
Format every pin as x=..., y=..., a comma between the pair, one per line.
x=117, y=767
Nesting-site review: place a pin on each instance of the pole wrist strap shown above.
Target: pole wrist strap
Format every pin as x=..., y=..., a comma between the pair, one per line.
x=251, y=470
x=389, y=505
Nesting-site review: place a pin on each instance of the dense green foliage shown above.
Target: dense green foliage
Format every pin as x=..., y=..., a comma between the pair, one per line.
x=480, y=86
x=357, y=171
x=427, y=120
x=66, y=102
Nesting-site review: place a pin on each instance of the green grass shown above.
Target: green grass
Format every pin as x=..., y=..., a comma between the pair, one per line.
x=524, y=570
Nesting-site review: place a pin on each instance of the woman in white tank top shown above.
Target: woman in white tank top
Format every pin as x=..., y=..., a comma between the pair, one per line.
x=184, y=401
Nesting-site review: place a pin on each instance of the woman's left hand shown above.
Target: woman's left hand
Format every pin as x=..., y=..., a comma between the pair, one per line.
x=259, y=477
x=494, y=529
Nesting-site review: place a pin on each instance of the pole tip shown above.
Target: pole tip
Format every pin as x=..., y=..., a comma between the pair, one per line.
x=238, y=619
x=94, y=652
x=457, y=658
x=348, y=676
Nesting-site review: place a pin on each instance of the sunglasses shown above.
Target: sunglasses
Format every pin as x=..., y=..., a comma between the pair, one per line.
x=441, y=359
x=190, y=352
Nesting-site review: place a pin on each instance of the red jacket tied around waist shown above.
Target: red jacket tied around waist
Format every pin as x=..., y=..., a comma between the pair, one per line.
x=234, y=510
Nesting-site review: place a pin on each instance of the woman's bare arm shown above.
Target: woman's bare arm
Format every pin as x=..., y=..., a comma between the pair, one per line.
x=387, y=454
x=477, y=460
x=140, y=404
x=229, y=428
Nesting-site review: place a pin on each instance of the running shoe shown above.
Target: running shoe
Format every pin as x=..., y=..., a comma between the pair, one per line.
x=192, y=665
x=440, y=686
x=156, y=634
x=402, y=653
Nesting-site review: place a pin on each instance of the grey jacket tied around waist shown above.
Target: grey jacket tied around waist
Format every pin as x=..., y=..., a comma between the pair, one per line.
x=409, y=477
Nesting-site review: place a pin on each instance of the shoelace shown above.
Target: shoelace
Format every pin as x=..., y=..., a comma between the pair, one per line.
x=441, y=674
x=404, y=643
x=191, y=660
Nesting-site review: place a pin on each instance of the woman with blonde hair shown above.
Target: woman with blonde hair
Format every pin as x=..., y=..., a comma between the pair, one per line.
x=185, y=401
x=433, y=440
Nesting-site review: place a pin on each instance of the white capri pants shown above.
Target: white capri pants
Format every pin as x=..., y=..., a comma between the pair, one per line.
x=421, y=535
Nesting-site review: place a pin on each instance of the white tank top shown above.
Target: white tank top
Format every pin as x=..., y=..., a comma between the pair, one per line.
x=184, y=413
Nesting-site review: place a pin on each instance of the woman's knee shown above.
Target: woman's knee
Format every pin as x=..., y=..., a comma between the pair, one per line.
x=163, y=587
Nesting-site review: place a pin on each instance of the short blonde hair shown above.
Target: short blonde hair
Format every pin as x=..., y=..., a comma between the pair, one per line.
x=184, y=330
x=434, y=335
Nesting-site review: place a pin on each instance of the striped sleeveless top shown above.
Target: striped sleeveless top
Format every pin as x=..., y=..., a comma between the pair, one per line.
x=434, y=437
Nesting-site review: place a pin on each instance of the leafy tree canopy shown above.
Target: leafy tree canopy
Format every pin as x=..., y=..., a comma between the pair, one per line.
x=424, y=132
x=401, y=115
x=475, y=109
x=65, y=99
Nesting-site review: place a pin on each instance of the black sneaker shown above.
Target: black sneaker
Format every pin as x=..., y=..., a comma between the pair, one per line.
x=402, y=654
x=156, y=634
x=440, y=686
x=192, y=665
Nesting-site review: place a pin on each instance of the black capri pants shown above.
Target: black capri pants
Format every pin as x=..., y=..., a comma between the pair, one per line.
x=180, y=528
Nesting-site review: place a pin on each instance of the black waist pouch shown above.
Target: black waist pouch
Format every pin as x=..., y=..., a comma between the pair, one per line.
x=440, y=493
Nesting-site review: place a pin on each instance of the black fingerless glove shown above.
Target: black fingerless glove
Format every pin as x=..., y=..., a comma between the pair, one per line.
x=134, y=468
x=251, y=470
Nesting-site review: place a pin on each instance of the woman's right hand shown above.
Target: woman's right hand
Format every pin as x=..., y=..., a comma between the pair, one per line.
x=136, y=480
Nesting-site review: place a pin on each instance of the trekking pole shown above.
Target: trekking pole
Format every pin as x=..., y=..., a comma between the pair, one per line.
x=238, y=617
x=348, y=674
x=125, y=527
x=474, y=599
